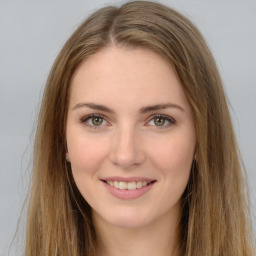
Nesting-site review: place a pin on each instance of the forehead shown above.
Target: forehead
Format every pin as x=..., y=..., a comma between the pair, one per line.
x=120, y=76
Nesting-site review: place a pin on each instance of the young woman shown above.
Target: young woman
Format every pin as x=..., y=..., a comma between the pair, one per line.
x=135, y=152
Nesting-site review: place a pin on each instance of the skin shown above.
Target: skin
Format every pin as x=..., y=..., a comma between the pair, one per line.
x=131, y=143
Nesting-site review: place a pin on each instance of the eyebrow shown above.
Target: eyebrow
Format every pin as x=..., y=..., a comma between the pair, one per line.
x=93, y=106
x=143, y=110
x=160, y=106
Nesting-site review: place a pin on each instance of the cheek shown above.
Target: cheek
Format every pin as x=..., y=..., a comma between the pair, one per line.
x=174, y=154
x=86, y=154
x=173, y=158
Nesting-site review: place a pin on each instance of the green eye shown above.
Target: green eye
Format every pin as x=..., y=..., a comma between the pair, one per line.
x=97, y=121
x=94, y=121
x=159, y=121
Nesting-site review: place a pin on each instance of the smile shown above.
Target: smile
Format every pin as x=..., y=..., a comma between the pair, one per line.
x=128, y=185
x=128, y=188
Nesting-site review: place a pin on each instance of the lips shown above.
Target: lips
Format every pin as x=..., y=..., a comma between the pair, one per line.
x=128, y=188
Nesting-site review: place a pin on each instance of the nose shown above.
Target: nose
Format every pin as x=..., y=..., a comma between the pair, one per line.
x=127, y=149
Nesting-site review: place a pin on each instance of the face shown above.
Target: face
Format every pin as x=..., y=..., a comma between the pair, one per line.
x=130, y=136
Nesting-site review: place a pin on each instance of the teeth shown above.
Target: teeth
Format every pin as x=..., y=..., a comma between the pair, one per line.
x=131, y=185
x=116, y=184
x=128, y=185
x=139, y=184
x=123, y=185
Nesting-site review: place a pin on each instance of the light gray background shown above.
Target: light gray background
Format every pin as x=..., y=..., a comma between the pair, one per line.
x=32, y=33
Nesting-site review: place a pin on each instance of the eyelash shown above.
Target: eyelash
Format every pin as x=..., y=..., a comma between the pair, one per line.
x=170, y=120
x=85, y=120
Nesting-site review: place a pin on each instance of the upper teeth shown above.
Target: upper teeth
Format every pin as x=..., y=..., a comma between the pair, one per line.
x=128, y=185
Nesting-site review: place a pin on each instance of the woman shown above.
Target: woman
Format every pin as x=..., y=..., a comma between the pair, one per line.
x=135, y=151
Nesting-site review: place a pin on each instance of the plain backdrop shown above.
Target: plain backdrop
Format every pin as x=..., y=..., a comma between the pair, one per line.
x=32, y=33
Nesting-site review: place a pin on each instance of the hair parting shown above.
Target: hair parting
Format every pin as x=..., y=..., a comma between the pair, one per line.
x=215, y=218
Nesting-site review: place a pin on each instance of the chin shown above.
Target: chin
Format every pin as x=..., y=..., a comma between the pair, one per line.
x=126, y=218
x=129, y=223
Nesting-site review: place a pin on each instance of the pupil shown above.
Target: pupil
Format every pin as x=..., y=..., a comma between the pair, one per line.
x=159, y=121
x=97, y=120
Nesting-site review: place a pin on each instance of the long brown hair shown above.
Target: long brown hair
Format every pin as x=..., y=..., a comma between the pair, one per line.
x=215, y=217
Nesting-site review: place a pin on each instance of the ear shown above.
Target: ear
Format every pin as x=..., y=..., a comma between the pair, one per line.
x=67, y=157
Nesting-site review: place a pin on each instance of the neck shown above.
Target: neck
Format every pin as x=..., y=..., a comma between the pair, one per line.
x=159, y=238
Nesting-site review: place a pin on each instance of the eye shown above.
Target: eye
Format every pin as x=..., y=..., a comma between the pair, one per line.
x=161, y=121
x=94, y=121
